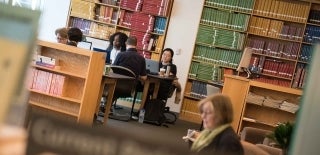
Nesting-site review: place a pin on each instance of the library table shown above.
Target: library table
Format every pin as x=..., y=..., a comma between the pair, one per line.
x=111, y=81
x=156, y=80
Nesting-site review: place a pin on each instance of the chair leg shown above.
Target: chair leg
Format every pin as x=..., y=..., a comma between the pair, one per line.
x=134, y=101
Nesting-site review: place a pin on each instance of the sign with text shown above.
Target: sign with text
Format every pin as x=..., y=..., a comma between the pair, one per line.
x=65, y=138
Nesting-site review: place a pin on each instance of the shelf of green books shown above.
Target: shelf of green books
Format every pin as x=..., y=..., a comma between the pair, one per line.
x=215, y=64
x=216, y=46
x=228, y=10
x=230, y=29
x=224, y=19
x=244, y=6
x=214, y=37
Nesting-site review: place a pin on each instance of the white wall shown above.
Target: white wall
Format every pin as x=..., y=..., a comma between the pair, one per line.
x=181, y=36
x=53, y=16
x=181, y=33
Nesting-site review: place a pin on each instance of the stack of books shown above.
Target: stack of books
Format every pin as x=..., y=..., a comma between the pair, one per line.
x=134, y=5
x=156, y=7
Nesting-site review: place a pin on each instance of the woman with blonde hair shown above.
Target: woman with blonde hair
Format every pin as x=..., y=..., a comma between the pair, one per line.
x=218, y=137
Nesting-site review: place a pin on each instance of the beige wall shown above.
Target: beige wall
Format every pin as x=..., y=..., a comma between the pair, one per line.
x=181, y=36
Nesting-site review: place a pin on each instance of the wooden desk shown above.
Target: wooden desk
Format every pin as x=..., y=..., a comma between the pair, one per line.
x=111, y=81
x=156, y=80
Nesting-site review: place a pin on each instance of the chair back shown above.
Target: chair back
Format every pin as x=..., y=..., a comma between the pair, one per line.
x=124, y=87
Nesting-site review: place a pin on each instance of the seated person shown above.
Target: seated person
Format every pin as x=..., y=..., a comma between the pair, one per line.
x=62, y=35
x=167, y=87
x=74, y=36
x=218, y=137
x=132, y=59
x=117, y=44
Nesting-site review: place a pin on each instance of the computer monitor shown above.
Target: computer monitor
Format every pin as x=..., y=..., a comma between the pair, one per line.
x=105, y=51
x=85, y=44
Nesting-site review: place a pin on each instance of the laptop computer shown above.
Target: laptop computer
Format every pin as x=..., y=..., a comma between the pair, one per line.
x=105, y=51
x=152, y=66
x=85, y=44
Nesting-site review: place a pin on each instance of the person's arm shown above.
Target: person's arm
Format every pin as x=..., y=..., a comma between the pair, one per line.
x=173, y=70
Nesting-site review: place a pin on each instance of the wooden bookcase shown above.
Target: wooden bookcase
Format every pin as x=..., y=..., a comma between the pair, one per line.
x=259, y=104
x=280, y=32
x=82, y=73
x=147, y=20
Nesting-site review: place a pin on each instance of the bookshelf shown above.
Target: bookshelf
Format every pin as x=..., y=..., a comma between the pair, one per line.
x=280, y=32
x=261, y=105
x=68, y=90
x=217, y=51
x=147, y=20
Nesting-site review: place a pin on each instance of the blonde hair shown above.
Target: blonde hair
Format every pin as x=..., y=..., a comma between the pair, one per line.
x=63, y=32
x=222, y=108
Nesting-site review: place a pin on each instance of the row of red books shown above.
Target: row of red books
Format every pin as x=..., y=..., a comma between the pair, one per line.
x=156, y=7
x=278, y=68
x=131, y=4
x=153, y=7
x=143, y=39
x=46, y=82
x=300, y=76
x=259, y=64
x=142, y=22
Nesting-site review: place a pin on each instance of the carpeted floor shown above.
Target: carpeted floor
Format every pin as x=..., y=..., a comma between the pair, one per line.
x=173, y=133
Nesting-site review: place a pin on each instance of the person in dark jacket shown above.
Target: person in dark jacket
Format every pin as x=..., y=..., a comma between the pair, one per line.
x=218, y=137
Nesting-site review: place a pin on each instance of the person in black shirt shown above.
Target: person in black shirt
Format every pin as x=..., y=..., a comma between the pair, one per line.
x=132, y=59
x=74, y=36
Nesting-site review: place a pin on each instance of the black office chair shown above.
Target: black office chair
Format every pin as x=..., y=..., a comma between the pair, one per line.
x=124, y=88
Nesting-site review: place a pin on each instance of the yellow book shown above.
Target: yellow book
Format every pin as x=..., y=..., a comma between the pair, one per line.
x=257, y=7
x=276, y=9
x=266, y=8
x=252, y=26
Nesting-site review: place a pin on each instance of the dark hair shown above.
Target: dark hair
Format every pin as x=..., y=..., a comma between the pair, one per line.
x=171, y=52
x=122, y=39
x=75, y=34
x=132, y=40
x=72, y=43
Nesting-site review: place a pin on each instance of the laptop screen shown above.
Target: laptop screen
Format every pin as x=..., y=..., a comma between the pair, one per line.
x=152, y=66
x=85, y=45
